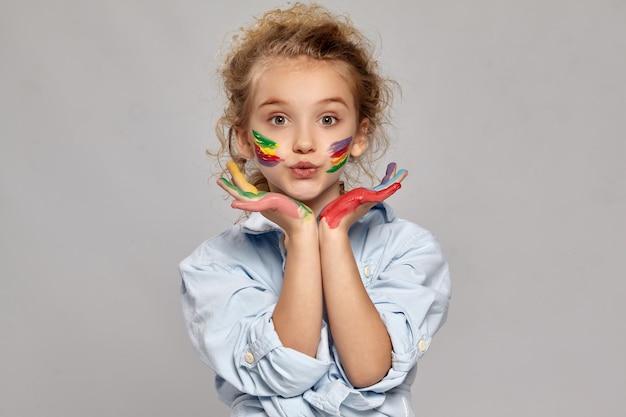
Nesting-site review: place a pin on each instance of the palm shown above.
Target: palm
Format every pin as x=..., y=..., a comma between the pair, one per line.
x=274, y=206
x=352, y=205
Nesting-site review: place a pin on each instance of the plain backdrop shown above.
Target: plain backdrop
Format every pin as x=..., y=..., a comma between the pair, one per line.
x=512, y=123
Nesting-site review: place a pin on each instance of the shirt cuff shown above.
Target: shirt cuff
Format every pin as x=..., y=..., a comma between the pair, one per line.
x=286, y=371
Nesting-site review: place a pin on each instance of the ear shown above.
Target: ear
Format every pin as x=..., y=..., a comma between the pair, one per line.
x=359, y=142
x=244, y=143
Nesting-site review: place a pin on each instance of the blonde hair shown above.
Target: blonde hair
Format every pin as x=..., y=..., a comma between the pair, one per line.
x=312, y=31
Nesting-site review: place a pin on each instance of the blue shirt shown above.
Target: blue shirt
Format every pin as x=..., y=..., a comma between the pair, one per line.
x=230, y=287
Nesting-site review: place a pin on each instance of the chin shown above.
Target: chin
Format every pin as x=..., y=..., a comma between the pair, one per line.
x=304, y=196
x=305, y=191
x=310, y=196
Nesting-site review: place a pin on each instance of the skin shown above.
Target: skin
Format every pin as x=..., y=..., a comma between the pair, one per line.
x=248, y=198
x=350, y=202
x=307, y=106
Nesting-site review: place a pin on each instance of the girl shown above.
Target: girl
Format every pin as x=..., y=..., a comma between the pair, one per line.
x=321, y=302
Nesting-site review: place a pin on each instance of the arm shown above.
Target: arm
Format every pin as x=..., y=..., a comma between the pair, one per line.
x=228, y=305
x=298, y=313
x=410, y=287
x=297, y=316
x=359, y=333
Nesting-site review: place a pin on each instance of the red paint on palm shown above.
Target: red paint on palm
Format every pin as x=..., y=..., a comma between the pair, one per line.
x=337, y=209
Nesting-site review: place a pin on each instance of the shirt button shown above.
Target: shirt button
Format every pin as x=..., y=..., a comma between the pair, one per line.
x=367, y=271
x=248, y=357
x=422, y=346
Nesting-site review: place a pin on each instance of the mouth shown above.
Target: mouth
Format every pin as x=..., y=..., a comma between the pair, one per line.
x=304, y=169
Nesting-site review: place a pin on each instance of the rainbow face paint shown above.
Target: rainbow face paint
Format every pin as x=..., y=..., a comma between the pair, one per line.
x=265, y=150
x=339, y=152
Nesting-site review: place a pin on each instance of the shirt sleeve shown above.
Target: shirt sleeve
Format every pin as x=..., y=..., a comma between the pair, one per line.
x=411, y=291
x=228, y=316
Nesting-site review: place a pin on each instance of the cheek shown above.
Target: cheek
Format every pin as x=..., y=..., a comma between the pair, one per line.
x=339, y=152
x=265, y=150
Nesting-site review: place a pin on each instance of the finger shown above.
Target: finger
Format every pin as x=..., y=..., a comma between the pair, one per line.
x=239, y=179
x=271, y=201
x=391, y=169
x=401, y=175
x=379, y=195
x=397, y=178
x=237, y=192
x=351, y=201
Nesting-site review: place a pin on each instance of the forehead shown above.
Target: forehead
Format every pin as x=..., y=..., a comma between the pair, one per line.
x=302, y=80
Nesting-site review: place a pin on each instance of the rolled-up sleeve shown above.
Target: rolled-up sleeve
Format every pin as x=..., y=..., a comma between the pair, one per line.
x=228, y=316
x=411, y=290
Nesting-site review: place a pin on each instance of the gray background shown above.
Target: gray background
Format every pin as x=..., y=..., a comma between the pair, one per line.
x=512, y=123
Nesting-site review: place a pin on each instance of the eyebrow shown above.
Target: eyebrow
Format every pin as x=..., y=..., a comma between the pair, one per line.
x=271, y=101
x=276, y=101
x=339, y=100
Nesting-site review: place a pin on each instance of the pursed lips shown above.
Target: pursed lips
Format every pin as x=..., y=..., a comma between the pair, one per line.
x=304, y=169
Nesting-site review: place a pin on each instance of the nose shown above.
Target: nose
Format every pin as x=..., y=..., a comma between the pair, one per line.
x=304, y=141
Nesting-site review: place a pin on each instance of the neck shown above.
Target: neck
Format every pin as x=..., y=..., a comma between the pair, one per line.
x=331, y=193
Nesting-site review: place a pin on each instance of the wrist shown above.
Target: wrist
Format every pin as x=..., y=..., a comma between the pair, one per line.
x=304, y=233
x=329, y=234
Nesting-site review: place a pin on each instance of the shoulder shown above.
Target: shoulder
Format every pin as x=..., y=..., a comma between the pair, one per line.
x=381, y=240
x=234, y=245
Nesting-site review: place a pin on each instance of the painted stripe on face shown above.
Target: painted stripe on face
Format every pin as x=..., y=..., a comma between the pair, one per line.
x=265, y=150
x=339, y=152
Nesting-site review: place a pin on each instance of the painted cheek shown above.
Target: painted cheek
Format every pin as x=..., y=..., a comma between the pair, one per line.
x=265, y=150
x=339, y=152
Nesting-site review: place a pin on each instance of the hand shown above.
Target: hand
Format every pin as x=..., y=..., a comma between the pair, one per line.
x=275, y=206
x=351, y=206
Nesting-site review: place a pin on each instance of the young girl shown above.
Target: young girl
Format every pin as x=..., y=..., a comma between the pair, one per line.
x=321, y=302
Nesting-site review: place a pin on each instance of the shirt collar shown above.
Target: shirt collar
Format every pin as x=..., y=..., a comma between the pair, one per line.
x=256, y=223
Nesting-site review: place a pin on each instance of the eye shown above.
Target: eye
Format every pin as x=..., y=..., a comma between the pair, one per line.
x=328, y=120
x=279, y=120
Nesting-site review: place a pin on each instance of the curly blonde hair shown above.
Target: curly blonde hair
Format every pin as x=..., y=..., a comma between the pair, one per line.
x=312, y=31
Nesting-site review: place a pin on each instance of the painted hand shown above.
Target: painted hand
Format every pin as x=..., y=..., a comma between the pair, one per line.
x=276, y=207
x=351, y=206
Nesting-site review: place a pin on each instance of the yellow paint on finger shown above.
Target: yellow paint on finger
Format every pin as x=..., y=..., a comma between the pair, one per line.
x=239, y=179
